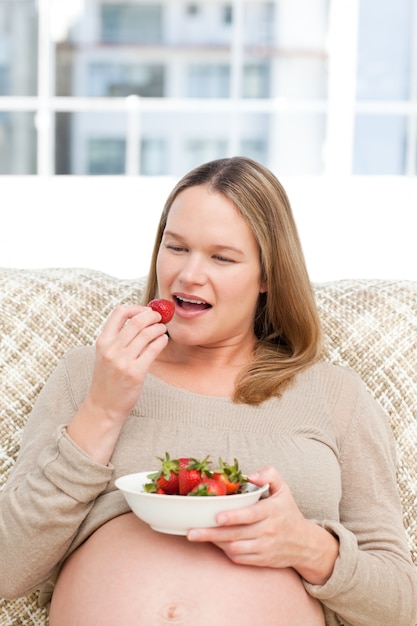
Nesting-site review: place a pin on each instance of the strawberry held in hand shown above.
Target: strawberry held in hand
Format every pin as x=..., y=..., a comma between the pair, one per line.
x=165, y=308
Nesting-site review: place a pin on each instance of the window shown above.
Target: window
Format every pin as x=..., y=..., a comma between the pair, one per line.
x=154, y=152
x=113, y=79
x=341, y=83
x=201, y=150
x=254, y=149
x=261, y=21
x=18, y=47
x=131, y=23
x=106, y=156
x=227, y=14
x=256, y=81
x=17, y=143
x=192, y=9
x=208, y=81
x=4, y=81
x=386, y=142
x=380, y=145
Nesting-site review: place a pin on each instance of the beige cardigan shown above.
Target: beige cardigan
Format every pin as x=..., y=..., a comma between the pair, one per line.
x=327, y=437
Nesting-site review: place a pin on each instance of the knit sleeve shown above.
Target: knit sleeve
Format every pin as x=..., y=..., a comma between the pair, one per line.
x=50, y=491
x=374, y=582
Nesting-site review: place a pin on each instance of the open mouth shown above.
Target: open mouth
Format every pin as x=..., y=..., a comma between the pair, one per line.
x=191, y=305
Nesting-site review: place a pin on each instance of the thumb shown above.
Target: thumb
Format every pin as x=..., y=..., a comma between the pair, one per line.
x=267, y=475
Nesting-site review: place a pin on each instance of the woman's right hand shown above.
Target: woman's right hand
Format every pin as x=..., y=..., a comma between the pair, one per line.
x=130, y=341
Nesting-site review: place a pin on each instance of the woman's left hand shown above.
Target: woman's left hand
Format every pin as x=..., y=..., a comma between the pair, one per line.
x=273, y=533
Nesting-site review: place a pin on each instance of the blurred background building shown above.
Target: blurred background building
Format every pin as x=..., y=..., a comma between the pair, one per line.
x=308, y=87
x=104, y=104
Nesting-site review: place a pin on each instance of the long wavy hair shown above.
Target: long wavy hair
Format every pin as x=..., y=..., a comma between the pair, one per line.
x=286, y=322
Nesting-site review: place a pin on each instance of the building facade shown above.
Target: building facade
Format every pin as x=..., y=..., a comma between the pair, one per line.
x=307, y=87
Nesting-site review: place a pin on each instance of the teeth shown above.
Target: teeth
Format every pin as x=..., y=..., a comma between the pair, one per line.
x=191, y=301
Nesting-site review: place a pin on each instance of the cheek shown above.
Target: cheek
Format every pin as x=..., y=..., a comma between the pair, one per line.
x=245, y=292
x=163, y=268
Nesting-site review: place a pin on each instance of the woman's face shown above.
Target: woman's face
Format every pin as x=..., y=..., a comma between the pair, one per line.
x=208, y=263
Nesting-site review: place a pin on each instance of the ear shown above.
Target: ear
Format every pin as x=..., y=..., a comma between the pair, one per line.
x=263, y=287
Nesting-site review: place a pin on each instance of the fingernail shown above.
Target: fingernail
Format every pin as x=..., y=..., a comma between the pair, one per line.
x=193, y=535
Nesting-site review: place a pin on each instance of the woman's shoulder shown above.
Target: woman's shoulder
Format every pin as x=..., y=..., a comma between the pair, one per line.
x=79, y=356
x=76, y=364
x=75, y=370
x=340, y=388
x=326, y=372
x=346, y=396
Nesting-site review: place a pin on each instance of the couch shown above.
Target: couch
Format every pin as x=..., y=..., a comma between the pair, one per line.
x=369, y=325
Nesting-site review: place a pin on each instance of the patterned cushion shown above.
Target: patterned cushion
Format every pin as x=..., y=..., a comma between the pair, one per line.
x=370, y=325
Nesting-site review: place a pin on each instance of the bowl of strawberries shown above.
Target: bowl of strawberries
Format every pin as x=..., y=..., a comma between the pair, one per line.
x=186, y=493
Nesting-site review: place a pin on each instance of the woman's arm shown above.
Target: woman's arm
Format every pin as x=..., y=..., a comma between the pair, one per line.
x=374, y=582
x=359, y=566
x=63, y=465
x=51, y=488
x=131, y=339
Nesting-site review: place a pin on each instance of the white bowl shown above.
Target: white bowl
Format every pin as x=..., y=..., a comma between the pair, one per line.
x=175, y=515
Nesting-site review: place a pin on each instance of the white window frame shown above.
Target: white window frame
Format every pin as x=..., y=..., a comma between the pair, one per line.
x=340, y=107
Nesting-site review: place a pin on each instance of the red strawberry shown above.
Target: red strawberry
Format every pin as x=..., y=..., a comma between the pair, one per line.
x=167, y=477
x=153, y=488
x=165, y=308
x=168, y=485
x=190, y=473
x=230, y=476
x=209, y=487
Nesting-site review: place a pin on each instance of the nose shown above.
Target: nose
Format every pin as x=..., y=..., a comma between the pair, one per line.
x=193, y=271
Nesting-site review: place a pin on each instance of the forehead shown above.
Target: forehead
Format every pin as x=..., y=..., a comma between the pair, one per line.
x=200, y=213
x=200, y=202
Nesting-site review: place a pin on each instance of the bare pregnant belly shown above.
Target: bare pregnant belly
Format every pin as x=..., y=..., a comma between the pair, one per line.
x=126, y=574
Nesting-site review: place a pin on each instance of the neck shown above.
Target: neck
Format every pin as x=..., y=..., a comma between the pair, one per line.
x=208, y=371
x=224, y=356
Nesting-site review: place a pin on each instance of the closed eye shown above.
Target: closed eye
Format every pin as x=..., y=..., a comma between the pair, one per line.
x=176, y=248
x=223, y=259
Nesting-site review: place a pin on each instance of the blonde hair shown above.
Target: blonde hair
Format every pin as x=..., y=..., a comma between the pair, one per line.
x=286, y=322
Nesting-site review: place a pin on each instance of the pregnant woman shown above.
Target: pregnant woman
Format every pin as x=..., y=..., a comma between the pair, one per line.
x=236, y=373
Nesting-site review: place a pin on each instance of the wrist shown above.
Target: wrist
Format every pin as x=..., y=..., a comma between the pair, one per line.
x=94, y=430
x=319, y=556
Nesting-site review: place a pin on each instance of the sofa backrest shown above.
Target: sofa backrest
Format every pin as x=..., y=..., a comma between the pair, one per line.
x=369, y=325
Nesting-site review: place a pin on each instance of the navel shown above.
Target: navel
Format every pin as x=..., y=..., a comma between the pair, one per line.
x=173, y=613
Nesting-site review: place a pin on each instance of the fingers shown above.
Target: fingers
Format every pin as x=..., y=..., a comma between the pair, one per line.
x=144, y=324
x=238, y=523
x=131, y=326
x=269, y=532
x=130, y=341
x=267, y=475
x=233, y=525
x=241, y=544
x=119, y=316
x=128, y=320
x=248, y=524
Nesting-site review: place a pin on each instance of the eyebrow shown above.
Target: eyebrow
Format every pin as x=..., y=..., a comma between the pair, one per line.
x=217, y=247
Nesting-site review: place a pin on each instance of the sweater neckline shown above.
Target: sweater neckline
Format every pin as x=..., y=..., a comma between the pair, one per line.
x=173, y=389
